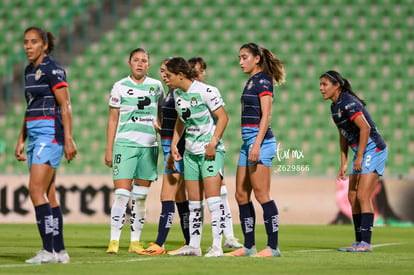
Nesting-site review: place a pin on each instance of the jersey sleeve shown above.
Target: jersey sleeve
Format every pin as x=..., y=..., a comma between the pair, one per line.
x=115, y=97
x=352, y=110
x=56, y=77
x=264, y=87
x=212, y=98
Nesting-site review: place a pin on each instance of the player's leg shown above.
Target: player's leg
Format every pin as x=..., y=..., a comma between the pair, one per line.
x=228, y=231
x=260, y=180
x=366, y=186
x=247, y=213
x=39, y=181
x=182, y=207
x=168, y=190
x=118, y=212
x=145, y=173
x=58, y=240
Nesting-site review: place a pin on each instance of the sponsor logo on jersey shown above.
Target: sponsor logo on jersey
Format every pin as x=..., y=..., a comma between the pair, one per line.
x=58, y=71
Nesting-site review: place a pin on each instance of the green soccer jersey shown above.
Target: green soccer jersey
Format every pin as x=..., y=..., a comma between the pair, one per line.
x=138, y=111
x=195, y=108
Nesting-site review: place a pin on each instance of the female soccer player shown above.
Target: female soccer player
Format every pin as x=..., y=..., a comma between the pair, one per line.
x=258, y=149
x=199, y=66
x=202, y=115
x=48, y=127
x=356, y=130
x=132, y=147
x=173, y=188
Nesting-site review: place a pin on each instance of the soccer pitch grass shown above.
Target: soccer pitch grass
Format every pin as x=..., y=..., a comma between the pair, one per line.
x=305, y=250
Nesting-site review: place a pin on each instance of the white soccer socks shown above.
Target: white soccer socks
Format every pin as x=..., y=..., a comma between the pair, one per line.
x=121, y=199
x=138, y=211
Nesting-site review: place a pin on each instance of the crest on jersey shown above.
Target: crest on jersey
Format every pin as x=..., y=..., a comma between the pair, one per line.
x=115, y=171
x=152, y=91
x=193, y=102
x=250, y=84
x=38, y=74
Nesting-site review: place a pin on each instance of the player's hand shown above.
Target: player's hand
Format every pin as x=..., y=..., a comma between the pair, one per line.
x=175, y=154
x=358, y=164
x=254, y=153
x=157, y=127
x=210, y=153
x=108, y=158
x=19, y=152
x=70, y=150
x=342, y=172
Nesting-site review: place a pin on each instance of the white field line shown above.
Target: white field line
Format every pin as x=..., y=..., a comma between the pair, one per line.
x=149, y=259
x=80, y=263
x=334, y=249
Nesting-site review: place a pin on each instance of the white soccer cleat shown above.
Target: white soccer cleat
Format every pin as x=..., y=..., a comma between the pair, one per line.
x=232, y=243
x=43, y=257
x=187, y=251
x=214, y=252
x=62, y=257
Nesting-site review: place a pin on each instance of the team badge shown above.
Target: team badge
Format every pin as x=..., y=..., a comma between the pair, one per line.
x=152, y=91
x=193, y=102
x=38, y=74
x=339, y=113
x=116, y=170
x=250, y=84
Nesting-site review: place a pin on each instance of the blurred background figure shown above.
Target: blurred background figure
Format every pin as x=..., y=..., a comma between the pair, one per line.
x=383, y=213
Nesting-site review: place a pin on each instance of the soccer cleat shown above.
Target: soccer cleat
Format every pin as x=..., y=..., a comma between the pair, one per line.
x=113, y=247
x=350, y=248
x=267, y=252
x=186, y=250
x=173, y=252
x=62, y=257
x=214, y=252
x=136, y=246
x=242, y=252
x=232, y=243
x=153, y=249
x=43, y=257
x=363, y=247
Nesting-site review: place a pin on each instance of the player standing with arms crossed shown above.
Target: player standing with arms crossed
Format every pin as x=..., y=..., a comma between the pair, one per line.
x=132, y=147
x=48, y=127
x=258, y=149
x=356, y=130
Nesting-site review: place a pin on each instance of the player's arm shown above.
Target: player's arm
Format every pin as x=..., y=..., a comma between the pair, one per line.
x=221, y=123
x=19, y=150
x=364, y=131
x=343, y=146
x=266, y=110
x=178, y=132
x=110, y=134
x=63, y=99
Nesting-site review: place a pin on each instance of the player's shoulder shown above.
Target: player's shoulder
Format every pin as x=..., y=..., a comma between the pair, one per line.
x=151, y=80
x=122, y=81
x=204, y=87
x=52, y=65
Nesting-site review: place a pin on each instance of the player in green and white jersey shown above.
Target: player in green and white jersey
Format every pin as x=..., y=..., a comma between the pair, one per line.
x=132, y=147
x=201, y=113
